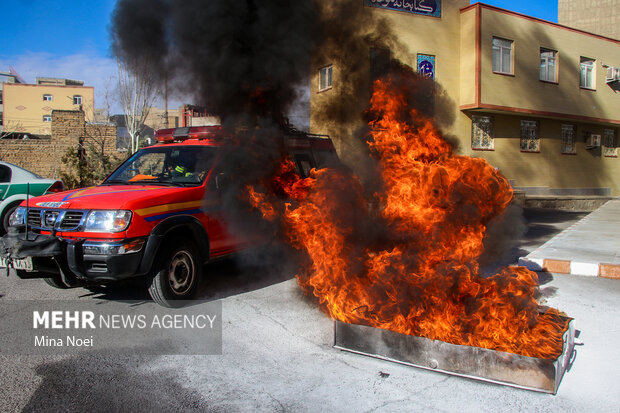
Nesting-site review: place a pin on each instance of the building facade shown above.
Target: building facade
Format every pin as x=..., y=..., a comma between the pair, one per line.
x=531, y=97
x=28, y=107
x=6, y=77
x=596, y=16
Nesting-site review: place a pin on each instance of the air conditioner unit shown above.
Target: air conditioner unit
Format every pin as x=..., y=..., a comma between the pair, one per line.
x=593, y=141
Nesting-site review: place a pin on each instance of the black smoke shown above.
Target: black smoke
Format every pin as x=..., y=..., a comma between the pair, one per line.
x=247, y=60
x=244, y=57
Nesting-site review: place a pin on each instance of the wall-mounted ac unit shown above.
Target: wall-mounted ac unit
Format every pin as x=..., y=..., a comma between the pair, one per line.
x=593, y=141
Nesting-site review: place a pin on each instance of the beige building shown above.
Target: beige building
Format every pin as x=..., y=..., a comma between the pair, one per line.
x=530, y=96
x=6, y=77
x=28, y=107
x=595, y=16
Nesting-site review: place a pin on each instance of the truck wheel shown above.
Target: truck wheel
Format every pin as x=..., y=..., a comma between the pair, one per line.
x=176, y=274
x=56, y=282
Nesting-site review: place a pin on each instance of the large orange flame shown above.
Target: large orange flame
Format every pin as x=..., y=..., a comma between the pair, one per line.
x=412, y=267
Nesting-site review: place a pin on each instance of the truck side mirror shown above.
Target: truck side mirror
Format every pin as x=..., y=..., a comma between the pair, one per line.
x=221, y=180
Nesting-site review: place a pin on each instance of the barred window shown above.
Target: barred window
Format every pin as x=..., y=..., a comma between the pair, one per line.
x=482, y=132
x=609, y=143
x=530, y=139
x=568, y=139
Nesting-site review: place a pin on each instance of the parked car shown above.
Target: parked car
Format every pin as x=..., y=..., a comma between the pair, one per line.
x=160, y=215
x=16, y=184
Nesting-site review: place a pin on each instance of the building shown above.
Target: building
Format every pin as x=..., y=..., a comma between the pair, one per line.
x=28, y=107
x=533, y=98
x=596, y=16
x=6, y=77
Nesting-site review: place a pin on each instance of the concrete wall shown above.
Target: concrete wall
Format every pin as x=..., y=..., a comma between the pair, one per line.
x=24, y=105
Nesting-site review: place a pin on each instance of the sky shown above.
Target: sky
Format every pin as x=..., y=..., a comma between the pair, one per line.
x=70, y=39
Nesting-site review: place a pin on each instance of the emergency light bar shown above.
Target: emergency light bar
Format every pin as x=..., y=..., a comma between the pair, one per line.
x=181, y=134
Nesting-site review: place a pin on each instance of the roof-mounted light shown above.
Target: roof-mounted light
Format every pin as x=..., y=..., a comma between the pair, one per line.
x=184, y=133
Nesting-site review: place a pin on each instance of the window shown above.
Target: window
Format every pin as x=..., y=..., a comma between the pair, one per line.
x=47, y=118
x=530, y=139
x=325, y=78
x=548, y=65
x=304, y=164
x=502, y=56
x=482, y=133
x=47, y=98
x=568, y=139
x=586, y=69
x=77, y=99
x=609, y=142
x=5, y=174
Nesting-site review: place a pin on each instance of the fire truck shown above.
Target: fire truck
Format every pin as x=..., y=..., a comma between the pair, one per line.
x=159, y=216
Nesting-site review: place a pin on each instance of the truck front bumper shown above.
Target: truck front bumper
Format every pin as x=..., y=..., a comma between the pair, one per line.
x=75, y=260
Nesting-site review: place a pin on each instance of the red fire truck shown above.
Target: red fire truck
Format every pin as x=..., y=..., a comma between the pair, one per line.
x=158, y=215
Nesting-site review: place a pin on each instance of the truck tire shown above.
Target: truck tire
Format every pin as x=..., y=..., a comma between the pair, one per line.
x=56, y=282
x=176, y=273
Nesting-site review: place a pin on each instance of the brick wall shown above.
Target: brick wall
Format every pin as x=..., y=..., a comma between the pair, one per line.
x=43, y=156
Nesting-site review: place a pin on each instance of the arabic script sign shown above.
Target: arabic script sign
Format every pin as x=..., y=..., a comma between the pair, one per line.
x=426, y=65
x=425, y=7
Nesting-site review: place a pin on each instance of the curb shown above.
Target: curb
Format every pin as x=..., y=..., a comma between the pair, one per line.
x=590, y=269
x=572, y=267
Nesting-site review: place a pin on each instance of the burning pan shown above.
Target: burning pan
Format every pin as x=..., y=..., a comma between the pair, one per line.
x=509, y=369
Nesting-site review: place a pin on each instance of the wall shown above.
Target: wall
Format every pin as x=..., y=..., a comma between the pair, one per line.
x=596, y=16
x=523, y=91
x=43, y=156
x=578, y=173
x=350, y=93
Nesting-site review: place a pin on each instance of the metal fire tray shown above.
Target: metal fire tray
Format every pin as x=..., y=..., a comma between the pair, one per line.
x=493, y=366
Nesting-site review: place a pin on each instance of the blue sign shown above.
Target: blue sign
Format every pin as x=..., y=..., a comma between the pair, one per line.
x=425, y=7
x=426, y=65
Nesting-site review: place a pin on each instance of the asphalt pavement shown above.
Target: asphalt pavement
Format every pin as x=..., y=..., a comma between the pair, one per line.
x=278, y=355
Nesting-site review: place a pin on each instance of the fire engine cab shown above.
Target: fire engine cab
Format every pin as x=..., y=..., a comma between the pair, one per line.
x=156, y=216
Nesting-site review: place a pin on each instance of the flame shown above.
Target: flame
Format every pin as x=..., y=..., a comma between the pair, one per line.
x=413, y=267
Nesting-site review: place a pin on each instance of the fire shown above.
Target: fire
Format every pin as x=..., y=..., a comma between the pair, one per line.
x=412, y=267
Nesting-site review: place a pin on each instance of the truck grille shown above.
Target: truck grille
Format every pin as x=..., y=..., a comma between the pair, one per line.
x=47, y=219
x=72, y=219
x=34, y=217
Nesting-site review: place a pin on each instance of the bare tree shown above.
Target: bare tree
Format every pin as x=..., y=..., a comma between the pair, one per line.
x=11, y=129
x=137, y=92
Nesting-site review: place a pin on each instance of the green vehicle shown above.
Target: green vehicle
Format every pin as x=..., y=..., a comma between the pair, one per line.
x=16, y=184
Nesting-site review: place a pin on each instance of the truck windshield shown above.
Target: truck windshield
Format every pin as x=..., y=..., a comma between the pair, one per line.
x=166, y=165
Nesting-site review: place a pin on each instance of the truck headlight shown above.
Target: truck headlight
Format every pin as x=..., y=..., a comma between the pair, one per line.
x=18, y=217
x=107, y=221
